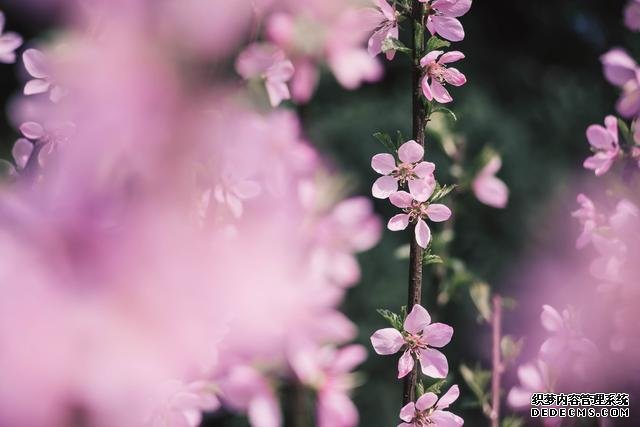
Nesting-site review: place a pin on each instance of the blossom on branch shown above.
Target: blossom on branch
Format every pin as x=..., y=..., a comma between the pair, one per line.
x=438, y=74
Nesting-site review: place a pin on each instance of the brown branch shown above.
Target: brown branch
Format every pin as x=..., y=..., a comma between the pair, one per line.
x=496, y=372
x=419, y=123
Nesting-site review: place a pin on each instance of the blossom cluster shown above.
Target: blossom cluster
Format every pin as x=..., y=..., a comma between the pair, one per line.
x=172, y=247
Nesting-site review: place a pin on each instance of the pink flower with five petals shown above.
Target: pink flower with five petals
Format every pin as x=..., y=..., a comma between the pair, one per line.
x=418, y=339
x=429, y=411
x=417, y=210
x=604, y=141
x=442, y=18
x=418, y=175
x=438, y=74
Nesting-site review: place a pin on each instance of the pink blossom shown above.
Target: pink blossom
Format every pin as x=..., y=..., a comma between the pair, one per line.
x=9, y=42
x=437, y=74
x=21, y=152
x=417, y=210
x=182, y=404
x=235, y=186
x=488, y=188
x=604, y=142
x=588, y=217
x=632, y=15
x=566, y=339
x=328, y=372
x=418, y=339
x=246, y=389
x=386, y=26
x=409, y=170
x=38, y=66
x=267, y=62
x=442, y=18
x=428, y=410
x=621, y=70
x=48, y=138
x=534, y=378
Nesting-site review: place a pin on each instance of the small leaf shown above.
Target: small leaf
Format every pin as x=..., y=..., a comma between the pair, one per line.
x=510, y=348
x=626, y=133
x=429, y=259
x=480, y=294
x=436, y=387
x=436, y=43
x=419, y=389
x=392, y=44
x=441, y=192
x=394, y=320
x=477, y=380
x=386, y=141
x=512, y=421
x=446, y=111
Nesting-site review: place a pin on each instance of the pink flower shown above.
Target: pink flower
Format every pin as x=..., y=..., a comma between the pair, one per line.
x=48, y=139
x=386, y=26
x=604, y=141
x=246, y=389
x=588, y=217
x=417, y=210
x=429, y=411
x=534, y=378
x=182, y=404
x=233, y=188
x=566, y=340
x=437, y=74
x=328, y=372
x=488, y=188
x=621, y=70
x=417, y=338
x=442, y=16
x=267, y=62
x=38, y=66
x=410, y=170
x=632, y=15
x=9, y=42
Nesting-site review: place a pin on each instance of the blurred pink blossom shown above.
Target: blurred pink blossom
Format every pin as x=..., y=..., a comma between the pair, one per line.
x=488, y=188
x=385, y=23
x=38, y=66
x=9, y=42
x=604, y=142
x=632, y=15
x=622, y=70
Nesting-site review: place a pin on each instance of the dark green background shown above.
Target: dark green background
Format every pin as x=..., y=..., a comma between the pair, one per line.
x=534, y=85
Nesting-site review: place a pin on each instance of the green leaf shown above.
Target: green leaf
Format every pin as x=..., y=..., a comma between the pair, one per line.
x=436, y=43
x=399, y=139
x=436, y=387
x=386, y=141
x=510, y=348
x=441, y=192
x=626, y=133
x=391, y=44
x=446, y=111
x=394, y=320
x=429, y=259
x=480, y=294
x=512, y=421
x=419, y=389
x=477, y=380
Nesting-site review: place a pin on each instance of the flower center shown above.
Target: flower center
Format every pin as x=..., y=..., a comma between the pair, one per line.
x=422, y=419
x=415, y=342
x=437, y=72
x=404, y=172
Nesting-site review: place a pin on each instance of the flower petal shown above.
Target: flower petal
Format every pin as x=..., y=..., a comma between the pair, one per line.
x=405, y=364
x=387, y=341
x=530, y=377
x=421, y=189
x=438, y=334
x=407, y=412
x=450, y=57
x=448, y=27
x=32, y=130
x=411, y=152
x=433, y=363
x=423, y=233
x=426, y=401
x=36, y=63
x=438, y=213
x=384, y=186
x=398, y=222
x=599, y=137
x=440, y=94
x=550, y=318
x=424, y=169
x=417, y=320
x=449, y=397
x=446, y=419
x=383, y=163
x=401, y=199
x=36, y=86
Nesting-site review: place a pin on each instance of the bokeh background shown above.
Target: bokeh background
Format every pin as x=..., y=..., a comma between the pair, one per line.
x=535, y=84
